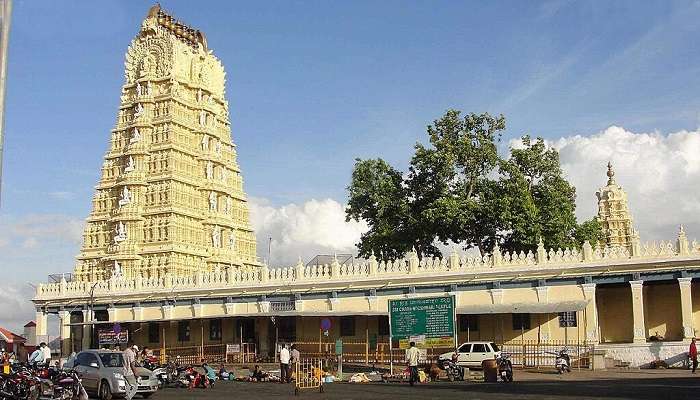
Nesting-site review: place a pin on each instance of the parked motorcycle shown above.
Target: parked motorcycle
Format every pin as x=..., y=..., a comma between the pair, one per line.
x=505, y=367
x=563, y=361
x=166, y=374
x=452, y=369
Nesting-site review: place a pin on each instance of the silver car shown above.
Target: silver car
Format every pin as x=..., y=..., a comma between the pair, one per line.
x=101, y=372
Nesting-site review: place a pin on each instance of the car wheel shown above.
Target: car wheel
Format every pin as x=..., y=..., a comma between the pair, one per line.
x=105, y=392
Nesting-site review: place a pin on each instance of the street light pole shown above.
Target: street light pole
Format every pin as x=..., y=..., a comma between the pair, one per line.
x=90, y=311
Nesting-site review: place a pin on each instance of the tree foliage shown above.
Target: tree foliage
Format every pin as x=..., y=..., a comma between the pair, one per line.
x=459, y=189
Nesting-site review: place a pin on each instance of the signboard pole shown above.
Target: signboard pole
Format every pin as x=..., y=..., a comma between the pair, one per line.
x=391, y=343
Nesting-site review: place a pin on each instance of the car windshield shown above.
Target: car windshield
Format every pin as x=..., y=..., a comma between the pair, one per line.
x=112, y=359
x=494, y=347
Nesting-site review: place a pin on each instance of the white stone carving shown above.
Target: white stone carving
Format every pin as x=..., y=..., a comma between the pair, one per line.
x=120, y=232
x=149, y=89
x=216, y=236
x=229, y=205
x=124, y=197
x=218, y=147
x=130, y=165
x=203, y=118
x=117, y=271
x=138, y=111
x=139, y=89
x=135, y=136
x=232, y=240
x=212, y=201
x=199, y=95
x=205, y=142
x=210, y=170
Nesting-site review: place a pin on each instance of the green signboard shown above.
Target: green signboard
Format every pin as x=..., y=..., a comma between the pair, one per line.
x=339, y=346
x=430, y=322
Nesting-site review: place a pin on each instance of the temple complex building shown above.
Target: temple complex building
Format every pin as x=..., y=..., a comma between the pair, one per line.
x=169, y=255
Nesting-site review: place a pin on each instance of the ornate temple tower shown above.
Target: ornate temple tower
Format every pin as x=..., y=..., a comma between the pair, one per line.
x=170, y=198
x=614, y=214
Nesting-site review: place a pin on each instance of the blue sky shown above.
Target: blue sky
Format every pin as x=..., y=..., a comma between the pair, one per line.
x=314, y=84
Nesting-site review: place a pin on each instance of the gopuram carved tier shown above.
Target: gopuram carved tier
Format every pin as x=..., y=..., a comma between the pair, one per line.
x=170, y=198
x=614, y=214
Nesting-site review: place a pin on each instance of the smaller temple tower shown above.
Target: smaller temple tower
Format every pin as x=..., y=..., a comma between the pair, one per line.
x=614, y=215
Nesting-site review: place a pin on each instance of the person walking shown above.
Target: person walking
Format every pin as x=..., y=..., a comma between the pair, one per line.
x=129, y=355
x=284, y=365
x=412, y=354
x=693, y=354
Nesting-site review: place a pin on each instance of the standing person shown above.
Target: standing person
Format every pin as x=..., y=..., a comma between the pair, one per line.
x=284, y=365
x=37, y=356
x=295, y=357
x=47, y=355
x=412, y=354
x=693, y=354
x=129, y=356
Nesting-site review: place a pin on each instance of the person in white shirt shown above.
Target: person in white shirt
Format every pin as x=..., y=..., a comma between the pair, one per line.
x=47, y=355
x=284, y=365
x=412, y=354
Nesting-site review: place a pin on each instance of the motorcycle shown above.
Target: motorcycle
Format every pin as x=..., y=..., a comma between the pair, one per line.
x=453, y=370
x=165, y=374
x=186, y=377
x=505, y=367
x=563, y=361
x=20, y=384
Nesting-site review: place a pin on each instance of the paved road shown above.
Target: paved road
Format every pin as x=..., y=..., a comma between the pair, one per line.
x=583, y=385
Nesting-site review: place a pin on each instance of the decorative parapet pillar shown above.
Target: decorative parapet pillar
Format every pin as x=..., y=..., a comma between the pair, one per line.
x=264, y=273
x=587, y=251
x=541, y=253
x=591, y=321
x=682, y=243
x=686, y=307
x=413, y=261
x=454, y=260
x=638, y=311
x=497, y=256
x=299, y=270
x=373, y=265
x=335, y=267
x=635, y=244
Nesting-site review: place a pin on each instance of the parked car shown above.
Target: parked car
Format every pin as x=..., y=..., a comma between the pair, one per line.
x=101, y=372
x=471, y=354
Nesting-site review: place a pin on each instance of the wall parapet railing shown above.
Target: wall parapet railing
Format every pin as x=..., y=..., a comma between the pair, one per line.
x=372, y=268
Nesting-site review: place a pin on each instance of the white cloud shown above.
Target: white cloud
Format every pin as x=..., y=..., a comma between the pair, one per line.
x=16, y=308
x=62, y=195
x=32, y=229
x=315, y=227
x=659, y=172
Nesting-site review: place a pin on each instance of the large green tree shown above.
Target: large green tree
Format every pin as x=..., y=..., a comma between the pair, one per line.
x=458, y=189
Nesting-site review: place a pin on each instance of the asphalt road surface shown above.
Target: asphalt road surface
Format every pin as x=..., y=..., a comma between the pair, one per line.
x=532, y=385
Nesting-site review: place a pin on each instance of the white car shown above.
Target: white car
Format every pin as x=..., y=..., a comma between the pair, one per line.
x=471, y=354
